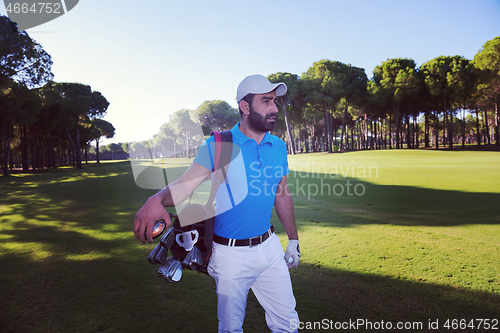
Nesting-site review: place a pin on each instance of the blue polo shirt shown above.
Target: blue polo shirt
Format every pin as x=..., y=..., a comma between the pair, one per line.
x=244, y=204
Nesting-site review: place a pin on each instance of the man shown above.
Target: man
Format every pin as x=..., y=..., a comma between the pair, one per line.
x=246, y=253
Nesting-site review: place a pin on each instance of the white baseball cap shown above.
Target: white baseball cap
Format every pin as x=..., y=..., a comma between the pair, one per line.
x=258, y=84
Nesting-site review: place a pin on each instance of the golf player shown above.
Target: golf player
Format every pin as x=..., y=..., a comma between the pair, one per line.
x=246, y=252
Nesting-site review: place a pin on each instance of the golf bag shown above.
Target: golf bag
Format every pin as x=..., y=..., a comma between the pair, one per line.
x=191, y=245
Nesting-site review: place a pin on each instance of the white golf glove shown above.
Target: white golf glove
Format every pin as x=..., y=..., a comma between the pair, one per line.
x=292, y=254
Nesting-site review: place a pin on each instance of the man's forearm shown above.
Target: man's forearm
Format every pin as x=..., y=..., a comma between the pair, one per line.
x=286, y=214
x=284, y=208
x=165, y=197
x=173, y=194
x=177, y=191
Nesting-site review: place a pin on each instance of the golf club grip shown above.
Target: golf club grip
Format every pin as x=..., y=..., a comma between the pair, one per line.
x=160, y=226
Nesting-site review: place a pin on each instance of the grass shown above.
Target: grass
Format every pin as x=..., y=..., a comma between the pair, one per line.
x=414, y=236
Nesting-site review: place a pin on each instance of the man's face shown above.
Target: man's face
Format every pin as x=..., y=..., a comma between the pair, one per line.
x=263, y=112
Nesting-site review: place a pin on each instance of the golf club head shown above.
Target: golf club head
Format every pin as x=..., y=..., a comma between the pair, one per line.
x=158, y=228
x=161, y=256
x=193, y=259
x=152, y=255
x=168, y=239
x=164, y=268
x=174, y=271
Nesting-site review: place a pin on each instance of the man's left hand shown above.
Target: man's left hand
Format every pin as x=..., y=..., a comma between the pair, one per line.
x=292, y=252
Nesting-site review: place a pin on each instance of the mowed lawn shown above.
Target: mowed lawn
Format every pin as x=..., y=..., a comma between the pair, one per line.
x=395, y=236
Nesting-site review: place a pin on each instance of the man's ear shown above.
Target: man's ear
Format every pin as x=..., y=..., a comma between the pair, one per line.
x=245, y=107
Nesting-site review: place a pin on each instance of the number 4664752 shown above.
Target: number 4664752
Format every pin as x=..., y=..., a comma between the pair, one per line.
x=39, y=7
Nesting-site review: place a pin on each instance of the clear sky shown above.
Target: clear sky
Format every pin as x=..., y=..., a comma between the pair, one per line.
x=152, y=58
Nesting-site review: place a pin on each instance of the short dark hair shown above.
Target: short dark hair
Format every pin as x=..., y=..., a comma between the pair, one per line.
x=249, y=99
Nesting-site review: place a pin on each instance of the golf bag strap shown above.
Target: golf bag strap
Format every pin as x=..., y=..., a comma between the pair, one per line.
x=219, y=177
x=222, y=159
x=218, y=139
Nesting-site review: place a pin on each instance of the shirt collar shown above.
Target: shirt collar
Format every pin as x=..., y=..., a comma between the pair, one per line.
x=241, y=138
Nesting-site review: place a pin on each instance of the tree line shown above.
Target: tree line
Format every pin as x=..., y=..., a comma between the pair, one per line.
x=43, y=124
x=447, y=100
x=334, y=106
x=331, y=106
x=185, y=130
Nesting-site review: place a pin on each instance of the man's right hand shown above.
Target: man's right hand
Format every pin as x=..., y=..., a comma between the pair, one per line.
x=146, y=217
x=176, y=192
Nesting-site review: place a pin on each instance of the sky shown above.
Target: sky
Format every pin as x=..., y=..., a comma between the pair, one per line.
x=152, y=58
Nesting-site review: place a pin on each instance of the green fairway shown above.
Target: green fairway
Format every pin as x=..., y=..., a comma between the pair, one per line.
x=393, y=236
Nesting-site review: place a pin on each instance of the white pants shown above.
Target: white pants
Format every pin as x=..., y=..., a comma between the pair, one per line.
x=262, y=268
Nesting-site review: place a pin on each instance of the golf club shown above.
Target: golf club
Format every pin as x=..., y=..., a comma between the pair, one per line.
x=174, y=271
x=158, y=228
x=193, y=259
x=168, y=239
x=152, y=255
x=164, y=268
x=161, y=256
x=160, y=225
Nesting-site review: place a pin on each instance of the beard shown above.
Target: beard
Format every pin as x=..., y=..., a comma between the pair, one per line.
x=259, y=123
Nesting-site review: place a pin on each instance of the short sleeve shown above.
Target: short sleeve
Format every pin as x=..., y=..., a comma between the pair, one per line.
x=205, y=153
x=284, y=153
x=286, y=171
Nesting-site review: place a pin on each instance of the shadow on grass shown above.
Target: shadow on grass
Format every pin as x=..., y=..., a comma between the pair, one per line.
x=117, y=290
x=124, y=294
x=342, y=296
x=119, y=294
x=96, y=197
x=370, y=203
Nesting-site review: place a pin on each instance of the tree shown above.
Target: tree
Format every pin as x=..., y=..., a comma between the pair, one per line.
x=52, y=126
x=488, y=61
x=23, y=63
x=379, y=102
x=78, y=105
x=125, y=147
x=462, y=80
x=98, y=105
x=139, y=150
x=217, y=115
x=294, y=96
x=320, y=88
x=6, y=120
x=75, y=104
x=169, y=143
x=328, y=82
x=398, y=79
x=102, y=128
x=27, y=110
x=115, y=149
x=21, y=58
x=186, y=126
x=352, y=84
x=21, y=109
x=436, y=73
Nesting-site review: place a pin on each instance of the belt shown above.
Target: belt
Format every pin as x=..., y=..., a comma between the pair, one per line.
x=244, y=242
